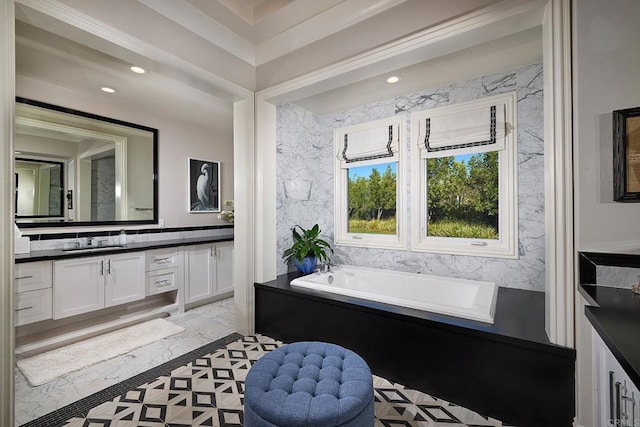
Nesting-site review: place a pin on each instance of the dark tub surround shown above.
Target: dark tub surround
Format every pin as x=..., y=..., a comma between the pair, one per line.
x=507, y=370
x=614, y=312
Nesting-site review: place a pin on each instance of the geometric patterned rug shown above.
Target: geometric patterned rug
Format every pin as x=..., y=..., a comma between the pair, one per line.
x=208, y=390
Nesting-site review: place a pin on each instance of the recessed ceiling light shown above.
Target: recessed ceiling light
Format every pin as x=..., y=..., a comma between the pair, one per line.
x=393, y=79
x=107, y=89
x=138, y=70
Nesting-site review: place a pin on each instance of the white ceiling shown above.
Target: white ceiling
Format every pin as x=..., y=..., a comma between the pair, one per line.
x=280, y=34
x=46, y=57
x=259, y=31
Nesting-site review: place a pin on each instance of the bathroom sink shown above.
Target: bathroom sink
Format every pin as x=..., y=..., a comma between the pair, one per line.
x=93, y=249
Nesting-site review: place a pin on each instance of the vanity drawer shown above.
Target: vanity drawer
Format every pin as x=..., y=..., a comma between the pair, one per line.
x=33, y=306
x=160, y=259
x=30, y=276
x=162, y=281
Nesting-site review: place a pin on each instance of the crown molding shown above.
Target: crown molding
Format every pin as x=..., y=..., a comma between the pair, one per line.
x=79, y=20
x=493, y=14
x=187, y=16
x=324, y=24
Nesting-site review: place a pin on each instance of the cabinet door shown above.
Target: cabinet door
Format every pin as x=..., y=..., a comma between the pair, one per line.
x=201, y=273
x=224, y=260
x=33, y=306
x=78, y=286
x=125, y=280
x=616, y=397
x=32, y=276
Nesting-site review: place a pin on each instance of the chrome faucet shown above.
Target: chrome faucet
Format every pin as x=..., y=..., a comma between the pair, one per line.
x=94, y=242
x=326, y=267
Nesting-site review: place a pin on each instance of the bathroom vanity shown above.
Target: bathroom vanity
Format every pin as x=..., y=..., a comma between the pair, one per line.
x=63, y=295
x=614, y=314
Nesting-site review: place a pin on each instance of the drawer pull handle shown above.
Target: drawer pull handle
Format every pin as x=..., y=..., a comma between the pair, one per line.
x=24, y=277
x=163, y=283
x=618, y=413
x=24, y=308
x=612, y=405
x=163, y=260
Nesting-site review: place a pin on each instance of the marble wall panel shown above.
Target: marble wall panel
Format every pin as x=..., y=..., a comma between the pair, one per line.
x=617, y=277
x=306, y=184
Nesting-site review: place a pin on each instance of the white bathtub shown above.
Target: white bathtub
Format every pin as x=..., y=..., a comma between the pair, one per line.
x=468, y=299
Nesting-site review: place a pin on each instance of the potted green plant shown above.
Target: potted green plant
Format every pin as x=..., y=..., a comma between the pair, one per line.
x=307, y=249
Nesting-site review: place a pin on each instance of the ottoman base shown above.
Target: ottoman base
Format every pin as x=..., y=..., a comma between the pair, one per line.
x=309, y=384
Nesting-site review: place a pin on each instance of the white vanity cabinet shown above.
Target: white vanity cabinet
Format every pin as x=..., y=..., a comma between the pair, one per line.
x=33, y=292
x=224, y=259
x=209, y=271
x=87, y=284
x=163, y=270
x=124, y=278
x=616, y=397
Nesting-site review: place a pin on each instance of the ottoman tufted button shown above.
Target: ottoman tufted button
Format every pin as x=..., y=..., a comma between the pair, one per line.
x=331, y=386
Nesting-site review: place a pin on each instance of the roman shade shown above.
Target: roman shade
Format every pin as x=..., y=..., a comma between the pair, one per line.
x=472, y=130
x=369, y=146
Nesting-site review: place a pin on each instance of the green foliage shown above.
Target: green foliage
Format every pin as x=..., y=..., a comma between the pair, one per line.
x=466, y=194
x=307, y=243
x=382, y=226
x=374, y=197
x=461, y=229
x=483, y=178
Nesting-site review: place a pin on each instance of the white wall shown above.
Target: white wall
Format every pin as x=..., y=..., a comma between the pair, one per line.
x=177, y=141
x=606, y=60
x=606, y=64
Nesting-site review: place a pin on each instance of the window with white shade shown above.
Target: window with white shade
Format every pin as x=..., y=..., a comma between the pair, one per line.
x=368, y=184
x=464, y=180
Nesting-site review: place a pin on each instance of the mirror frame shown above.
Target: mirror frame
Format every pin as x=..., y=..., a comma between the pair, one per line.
x=53, y=222
x=62, y=200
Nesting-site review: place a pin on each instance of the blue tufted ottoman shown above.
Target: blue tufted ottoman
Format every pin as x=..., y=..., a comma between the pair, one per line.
x=309, y=384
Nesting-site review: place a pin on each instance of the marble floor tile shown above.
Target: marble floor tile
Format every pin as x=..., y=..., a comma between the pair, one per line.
x=202, y=325
x=209, y=391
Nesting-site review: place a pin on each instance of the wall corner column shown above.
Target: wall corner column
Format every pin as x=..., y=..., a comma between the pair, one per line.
x=7, y=113
x=559, y=240
x=265, y=196
x=244, y=203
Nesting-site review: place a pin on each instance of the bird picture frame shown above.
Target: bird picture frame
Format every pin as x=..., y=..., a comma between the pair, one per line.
x=204, y=185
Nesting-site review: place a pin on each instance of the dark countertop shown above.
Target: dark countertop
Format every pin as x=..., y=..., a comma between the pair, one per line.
x=519, y=315
x=54, y=254
x=615, y=315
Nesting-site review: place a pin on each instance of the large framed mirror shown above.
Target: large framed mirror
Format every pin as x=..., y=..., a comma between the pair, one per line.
x=39, y=188
x=75, y=168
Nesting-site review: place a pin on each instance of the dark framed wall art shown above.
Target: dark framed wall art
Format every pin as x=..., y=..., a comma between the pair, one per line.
x=204, y=186
x=626, y=155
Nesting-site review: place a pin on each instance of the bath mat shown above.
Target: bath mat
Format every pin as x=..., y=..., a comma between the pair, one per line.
x=45, y=367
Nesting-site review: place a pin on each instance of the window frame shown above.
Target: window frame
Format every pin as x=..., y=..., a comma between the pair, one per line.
x=507, y=245
x=341, y=204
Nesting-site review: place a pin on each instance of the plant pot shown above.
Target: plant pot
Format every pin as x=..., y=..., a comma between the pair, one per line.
x=307, y=265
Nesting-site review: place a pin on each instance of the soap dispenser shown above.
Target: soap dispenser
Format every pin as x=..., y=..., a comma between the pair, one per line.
x=123, y=237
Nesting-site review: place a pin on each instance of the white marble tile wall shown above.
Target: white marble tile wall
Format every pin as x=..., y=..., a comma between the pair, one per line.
x=617, y=277
x=37, y=245
x=306, y=185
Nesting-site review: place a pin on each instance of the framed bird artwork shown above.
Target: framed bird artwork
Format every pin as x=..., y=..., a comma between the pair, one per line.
x=204, y=186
